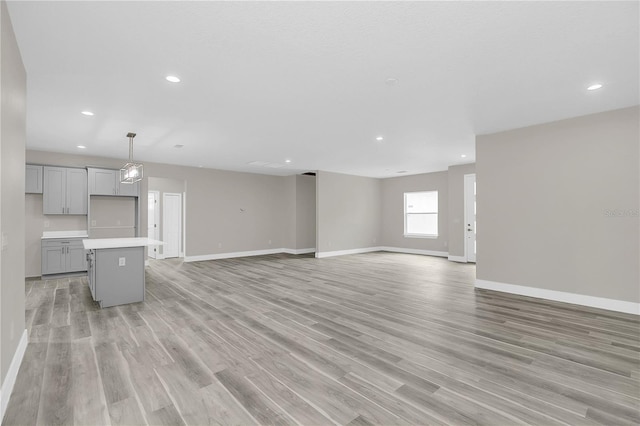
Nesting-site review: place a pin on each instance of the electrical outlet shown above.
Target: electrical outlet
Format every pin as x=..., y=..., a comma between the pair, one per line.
x=46, y=223
x=93, y=223
x=5, y=241
x=118, y=223
x=219, y=245
x=269, y=242
x=122, y=261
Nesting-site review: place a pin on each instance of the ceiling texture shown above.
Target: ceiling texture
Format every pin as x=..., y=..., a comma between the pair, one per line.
x=309, y=81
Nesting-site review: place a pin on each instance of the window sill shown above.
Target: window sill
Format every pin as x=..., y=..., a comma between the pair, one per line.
x=431, y=237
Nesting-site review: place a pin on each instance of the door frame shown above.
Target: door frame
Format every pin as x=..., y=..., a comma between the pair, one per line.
x=467, y=178
x=164, y=219
x=156, y=219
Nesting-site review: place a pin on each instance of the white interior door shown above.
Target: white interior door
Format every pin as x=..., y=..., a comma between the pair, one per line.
x=470, y=217
x=153, y=221
x=171, y=224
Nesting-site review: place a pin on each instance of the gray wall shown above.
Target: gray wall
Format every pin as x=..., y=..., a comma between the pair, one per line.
x=163, y=185
x=348, y=212
x=305, y=235
x=12, y=210
x=393, y=190
x=544, y=197
x=455, y=177
x=225, y=211
x=111, y=217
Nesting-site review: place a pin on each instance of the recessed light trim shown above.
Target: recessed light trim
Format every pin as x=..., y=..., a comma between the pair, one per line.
x=391, y=81
x=401, y=171
x=595, y=86
x=287, y=161
x=178, y=146
x=82, y=147
x=379, y=138
x=464, y=156
x=87, y=113
x=172, y=79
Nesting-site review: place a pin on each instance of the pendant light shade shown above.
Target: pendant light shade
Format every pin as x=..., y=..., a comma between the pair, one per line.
x=131, y=172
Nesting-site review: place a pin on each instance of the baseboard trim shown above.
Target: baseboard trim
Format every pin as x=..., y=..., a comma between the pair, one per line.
x=231, y=255
x=461, y=259
x=323, y=254
x=12, y=373
x=299, y=251
x=415, y=251
x=561, y=296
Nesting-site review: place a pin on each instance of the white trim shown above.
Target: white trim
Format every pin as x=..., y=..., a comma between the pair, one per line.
x=12, y=373
x=231, y=255
x=322, y=254
x=466, y=218
x=415, y=251
x=462, y=259
x=299, y=251
x=146, y=263
x=561, y=296
x=164, y=219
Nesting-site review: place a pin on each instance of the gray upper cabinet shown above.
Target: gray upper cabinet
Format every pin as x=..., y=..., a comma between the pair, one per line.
x=64, y=191
x=107, y=182
x=33, y=179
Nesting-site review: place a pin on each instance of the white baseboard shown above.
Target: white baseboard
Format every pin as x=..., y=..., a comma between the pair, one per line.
x=12, y=373
x=415, y=251
x=299, y=251
x=231, y=255
x=457, y=259
x=561, y=296
x=323, y=254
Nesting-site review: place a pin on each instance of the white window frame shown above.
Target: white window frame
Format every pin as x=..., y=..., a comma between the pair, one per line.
x=408, y=235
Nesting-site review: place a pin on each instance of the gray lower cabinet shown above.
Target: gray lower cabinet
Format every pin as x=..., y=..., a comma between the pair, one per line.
x=60, y=256
x=64, y=191
x=116, y=275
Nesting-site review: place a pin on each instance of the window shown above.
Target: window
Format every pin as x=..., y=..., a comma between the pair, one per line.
x=421, y=214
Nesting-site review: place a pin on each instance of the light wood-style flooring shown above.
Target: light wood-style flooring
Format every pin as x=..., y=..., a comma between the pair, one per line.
x=379, y=338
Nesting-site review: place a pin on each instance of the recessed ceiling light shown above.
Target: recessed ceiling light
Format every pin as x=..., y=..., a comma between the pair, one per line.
x=82, y=147
x=391, y=81
x=379, y=138
x=172, y=79
x=178, y=146
x=402, y=171
x=464, y=156
x=594, y=86
x=287, y=161
x=89, y=113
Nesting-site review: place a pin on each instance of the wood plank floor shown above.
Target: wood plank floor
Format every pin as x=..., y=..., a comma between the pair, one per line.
x=379, y=338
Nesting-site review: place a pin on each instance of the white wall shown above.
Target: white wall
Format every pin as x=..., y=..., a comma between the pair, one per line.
x=305, y=234
x=545, y=197
x=12, y=202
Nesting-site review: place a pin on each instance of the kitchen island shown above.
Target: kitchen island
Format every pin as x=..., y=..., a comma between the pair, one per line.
x=116, y=269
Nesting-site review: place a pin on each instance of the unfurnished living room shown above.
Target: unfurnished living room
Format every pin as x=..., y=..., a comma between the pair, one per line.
x=320, y=213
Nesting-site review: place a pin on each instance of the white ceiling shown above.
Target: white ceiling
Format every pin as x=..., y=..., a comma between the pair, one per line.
x=270, y=81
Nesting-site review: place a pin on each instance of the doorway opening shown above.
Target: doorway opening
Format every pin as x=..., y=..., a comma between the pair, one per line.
x=166, y=217
x=470, y=228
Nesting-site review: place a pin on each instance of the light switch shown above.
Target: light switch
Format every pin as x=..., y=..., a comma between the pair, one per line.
x=5, y=241
x=122, y=261
x=46, y=223
x=93, y=223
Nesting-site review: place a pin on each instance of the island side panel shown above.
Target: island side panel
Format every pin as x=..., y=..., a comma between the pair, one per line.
x=117, y=283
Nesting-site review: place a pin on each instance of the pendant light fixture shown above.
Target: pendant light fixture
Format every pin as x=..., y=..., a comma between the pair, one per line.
x=132, y=171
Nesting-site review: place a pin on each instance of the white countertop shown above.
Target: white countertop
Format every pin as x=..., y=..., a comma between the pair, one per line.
x=64, y=234
x=106, y=243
